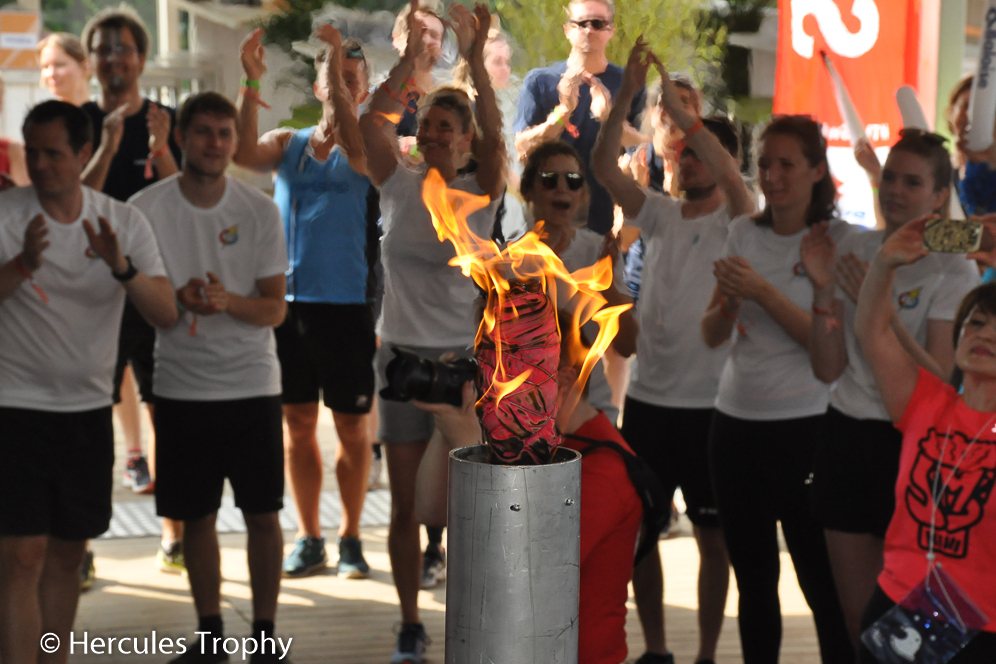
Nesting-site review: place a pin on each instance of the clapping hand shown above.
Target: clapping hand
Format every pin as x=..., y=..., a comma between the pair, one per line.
x=34, y=243
x=819, y=254
x=253, y=55
x=736, y=278
x=105, y=244
x=158, y=121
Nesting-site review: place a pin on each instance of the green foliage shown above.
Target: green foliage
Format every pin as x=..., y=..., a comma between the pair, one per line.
x=71, y=15
x=678, y=31
x=738, y=16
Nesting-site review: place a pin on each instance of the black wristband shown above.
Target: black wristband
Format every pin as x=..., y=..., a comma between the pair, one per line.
x=128, y=274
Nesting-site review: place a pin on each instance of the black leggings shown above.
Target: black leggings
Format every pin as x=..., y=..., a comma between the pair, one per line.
x=980, y=650
x=761, y=473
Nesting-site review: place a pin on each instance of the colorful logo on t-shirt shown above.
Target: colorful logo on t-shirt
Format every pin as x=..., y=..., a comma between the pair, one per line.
x=89, y=252
x=967, y=474
x=229, y=236
x=909, y=299
x=798, y=270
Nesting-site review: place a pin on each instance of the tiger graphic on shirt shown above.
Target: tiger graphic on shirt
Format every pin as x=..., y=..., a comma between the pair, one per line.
x=963, y=487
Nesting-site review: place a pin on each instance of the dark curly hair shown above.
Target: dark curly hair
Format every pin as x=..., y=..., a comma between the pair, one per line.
x=822, y=204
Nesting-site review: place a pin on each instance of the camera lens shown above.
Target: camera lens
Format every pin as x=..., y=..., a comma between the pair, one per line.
x=410, y=377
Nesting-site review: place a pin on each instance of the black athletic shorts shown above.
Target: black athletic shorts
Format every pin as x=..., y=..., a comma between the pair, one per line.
x=328, y=349
x=135, y=347
x=200, y=443
x=56, y=473
x=855, y=466
x=675, y=443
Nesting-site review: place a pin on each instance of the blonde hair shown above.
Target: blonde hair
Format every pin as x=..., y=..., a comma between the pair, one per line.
x=70, y=45
x=461, y=73
x=430, y=7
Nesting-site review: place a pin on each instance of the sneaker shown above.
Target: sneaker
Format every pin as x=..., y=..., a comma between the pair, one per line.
x=307, y=558
x=654, y=658
x=352, y=565
x=136, y=475
x=87, y=571
x=171, y=560
x=412, y=641
x=433, y=567
x=375, y=469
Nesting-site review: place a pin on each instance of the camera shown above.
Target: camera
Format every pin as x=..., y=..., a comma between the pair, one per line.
x=410, y=377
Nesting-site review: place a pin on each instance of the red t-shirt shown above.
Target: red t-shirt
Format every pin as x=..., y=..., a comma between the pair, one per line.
x=937, y=421
x=611, y=514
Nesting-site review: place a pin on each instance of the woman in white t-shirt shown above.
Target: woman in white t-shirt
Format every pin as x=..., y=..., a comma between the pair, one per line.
x=553, y=185
x=770, y=406
x=857, y=459
x=428, y=304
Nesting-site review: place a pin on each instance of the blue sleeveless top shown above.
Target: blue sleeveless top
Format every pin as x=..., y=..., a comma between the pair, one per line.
x=324, y=209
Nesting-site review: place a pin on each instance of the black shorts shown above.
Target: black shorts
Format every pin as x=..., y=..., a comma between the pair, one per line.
x=200, y=443
x=56, y=473
x=855, y=466
x=675, y=443
x=135, y=346
x=328, y=349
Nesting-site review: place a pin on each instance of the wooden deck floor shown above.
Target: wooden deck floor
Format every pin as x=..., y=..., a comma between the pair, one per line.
x=350, y=622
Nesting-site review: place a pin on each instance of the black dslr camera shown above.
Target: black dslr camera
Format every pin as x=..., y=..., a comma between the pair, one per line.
x=410, y=377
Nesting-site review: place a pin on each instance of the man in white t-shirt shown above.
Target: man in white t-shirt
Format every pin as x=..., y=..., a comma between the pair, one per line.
x=68, y=258
x=673, y=384
x=217, y=378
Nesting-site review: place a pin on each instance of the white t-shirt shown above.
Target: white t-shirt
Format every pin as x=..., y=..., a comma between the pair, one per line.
x=427, y=302
x=673, y=366
x=768, y=375
x=241, y=240
x=60, y=356
x=930, y=289
x=584, y=251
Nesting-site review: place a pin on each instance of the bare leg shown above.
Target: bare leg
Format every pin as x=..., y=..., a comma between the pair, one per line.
x=403, y=543
x=648, y=589
x=352, y=469
x=265, y=550
x=60, y=593
x=202, y=557
x=617, y=373
x=714, y=582
x=22, y=560
x=304, y=465
x=856, y=561
x=129, y=415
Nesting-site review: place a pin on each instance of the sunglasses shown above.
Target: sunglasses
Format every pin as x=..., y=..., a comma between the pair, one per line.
x=549, y=180
x=354, y=53
x=593, y=23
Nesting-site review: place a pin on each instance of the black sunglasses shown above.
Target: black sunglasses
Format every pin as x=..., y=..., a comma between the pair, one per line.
x=593, y=23
x=574, y=180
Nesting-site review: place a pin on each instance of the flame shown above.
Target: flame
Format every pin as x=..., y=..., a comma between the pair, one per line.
x=495, y=270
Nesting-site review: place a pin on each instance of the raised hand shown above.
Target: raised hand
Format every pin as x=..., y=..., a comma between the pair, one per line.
x=905, y=245
x=868, y=160
x=329, y=34
x=112, y=128
x=105, y=244
x=158, y=121
x=640, y=59
x=851, y=272
x=601, y=98
x=414, y=46
x=253, y=55
x=34, y=243
x=483, y=16
x=736, y=278
x=464, y=25
x=569, y=88
x=819, y=253
x=216, y=295
x=987, y=251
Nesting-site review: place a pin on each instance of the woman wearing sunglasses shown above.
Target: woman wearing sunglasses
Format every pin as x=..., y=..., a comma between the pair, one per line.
x=770, y=406
x=857, y=459
x=428, y=303
x=553, y=185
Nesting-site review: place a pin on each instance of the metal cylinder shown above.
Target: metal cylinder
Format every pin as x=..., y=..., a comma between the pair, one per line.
x=513, y=558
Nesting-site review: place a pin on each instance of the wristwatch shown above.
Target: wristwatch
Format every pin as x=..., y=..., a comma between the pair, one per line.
x=128, y=274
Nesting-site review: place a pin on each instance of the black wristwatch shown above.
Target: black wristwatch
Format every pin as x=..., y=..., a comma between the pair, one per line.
x=128, y=274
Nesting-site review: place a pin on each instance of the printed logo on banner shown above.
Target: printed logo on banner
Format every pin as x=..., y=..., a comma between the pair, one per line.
x=840, y=40
x=964, y=492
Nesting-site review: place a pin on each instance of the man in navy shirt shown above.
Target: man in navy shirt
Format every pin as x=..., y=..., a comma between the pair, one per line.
x=568, y=100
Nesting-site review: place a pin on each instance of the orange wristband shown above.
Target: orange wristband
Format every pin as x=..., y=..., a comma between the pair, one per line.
x=19, y=264
x=693, y=129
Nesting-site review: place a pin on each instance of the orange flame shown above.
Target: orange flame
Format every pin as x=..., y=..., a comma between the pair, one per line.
x=528, y=258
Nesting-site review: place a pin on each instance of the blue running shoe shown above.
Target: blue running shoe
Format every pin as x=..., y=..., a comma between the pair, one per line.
x=307, y=558
x=352, y=565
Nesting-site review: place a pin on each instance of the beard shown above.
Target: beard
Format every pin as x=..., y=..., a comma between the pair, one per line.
x=698, y=193
x=117, y=84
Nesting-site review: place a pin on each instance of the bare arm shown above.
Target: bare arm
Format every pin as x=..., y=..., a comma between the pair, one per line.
x=346, y=123
x=12, y=274
x=154, y=299
x=553, y=127
x=490, y=152
x=827, y=348
x=262, y=154
x=893, y=366
x=626, y=192
x=158, y=121
x=112, y=128
x=719, y=319
x=736, y=277
x=938, y=356
x=267, y=309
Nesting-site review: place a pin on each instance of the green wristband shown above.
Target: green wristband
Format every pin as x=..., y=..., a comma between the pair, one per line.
x=249, y=83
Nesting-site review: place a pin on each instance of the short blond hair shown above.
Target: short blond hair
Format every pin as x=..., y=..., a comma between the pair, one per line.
x=430, y=7
x=609, y=4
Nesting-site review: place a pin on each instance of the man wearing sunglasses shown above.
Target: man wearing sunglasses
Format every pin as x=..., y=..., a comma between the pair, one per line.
x=569, y=100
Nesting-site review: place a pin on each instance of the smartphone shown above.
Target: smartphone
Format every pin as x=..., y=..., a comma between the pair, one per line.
x=953, y=236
